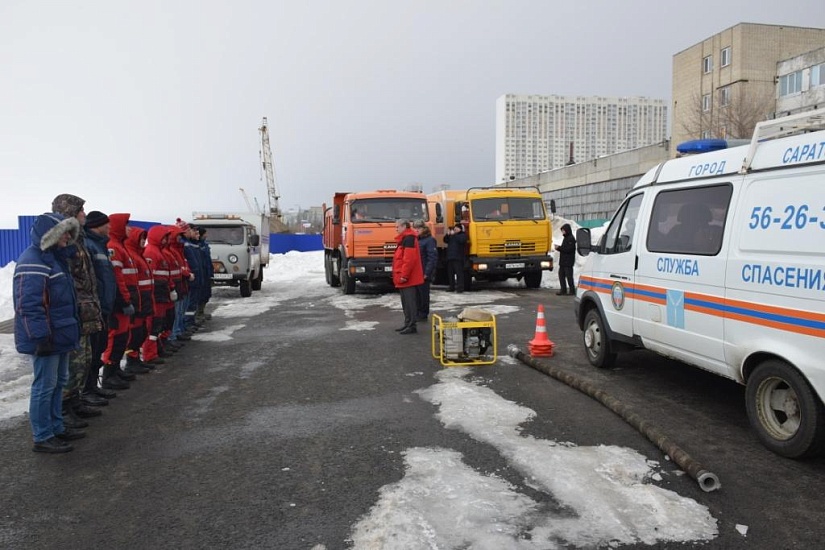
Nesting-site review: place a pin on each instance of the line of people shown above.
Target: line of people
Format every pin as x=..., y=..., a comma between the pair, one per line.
x=93, y=293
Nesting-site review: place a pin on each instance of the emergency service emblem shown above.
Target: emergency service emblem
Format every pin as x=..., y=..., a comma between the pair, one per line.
x=617, y=295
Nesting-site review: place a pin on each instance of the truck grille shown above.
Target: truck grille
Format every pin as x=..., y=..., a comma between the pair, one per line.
x=512, y=247
x=384, y=250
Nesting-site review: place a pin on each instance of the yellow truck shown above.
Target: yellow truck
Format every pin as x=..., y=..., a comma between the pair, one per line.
x=510, y=235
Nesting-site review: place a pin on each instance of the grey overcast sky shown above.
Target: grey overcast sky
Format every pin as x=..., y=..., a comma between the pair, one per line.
x=153, y=106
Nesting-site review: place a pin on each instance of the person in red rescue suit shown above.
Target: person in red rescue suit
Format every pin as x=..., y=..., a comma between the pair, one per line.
x=127, y=299
x=407, y=273
x=135, y=242
x=176, y=243
x=167, y=344
x=157, y=240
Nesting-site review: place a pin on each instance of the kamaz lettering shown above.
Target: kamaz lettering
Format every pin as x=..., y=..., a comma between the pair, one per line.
x=678, y=266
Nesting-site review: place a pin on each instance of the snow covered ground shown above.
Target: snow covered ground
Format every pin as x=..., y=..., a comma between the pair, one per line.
x=441, y=502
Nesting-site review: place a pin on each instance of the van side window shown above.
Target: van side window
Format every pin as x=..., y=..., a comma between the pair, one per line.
x=689, y=221
x=619, y=236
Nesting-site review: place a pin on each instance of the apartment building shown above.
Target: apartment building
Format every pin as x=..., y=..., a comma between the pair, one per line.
x=801, y=83
x=536, y=133
x=726, y=83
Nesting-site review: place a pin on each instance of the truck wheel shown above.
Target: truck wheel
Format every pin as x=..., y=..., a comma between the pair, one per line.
x=347, y=282
x=532, y=279
x=327, y=269
x=246, y=288
x=596, y=342
x=334, y=280
x=784, y=411
x=257, y=281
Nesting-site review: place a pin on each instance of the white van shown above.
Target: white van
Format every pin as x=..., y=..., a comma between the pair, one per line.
x=718, y=260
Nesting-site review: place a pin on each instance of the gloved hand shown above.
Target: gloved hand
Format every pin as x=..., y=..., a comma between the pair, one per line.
x=128, y=310
x=43, y=348
x=173, y=296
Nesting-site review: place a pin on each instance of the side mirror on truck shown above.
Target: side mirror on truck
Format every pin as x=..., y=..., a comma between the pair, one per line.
x=254, y=240
x=583, y=241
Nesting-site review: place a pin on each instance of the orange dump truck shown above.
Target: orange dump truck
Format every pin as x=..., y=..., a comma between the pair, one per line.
x=359, y=234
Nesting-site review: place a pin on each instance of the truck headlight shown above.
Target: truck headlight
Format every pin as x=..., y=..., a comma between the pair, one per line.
x=481, y=267
x=233, y=259
x=546, y=264
x=360, y=269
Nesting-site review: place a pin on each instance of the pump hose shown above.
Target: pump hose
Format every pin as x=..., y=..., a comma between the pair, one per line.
x=707, y=481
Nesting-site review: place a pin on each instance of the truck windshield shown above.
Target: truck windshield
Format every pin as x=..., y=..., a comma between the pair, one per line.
x=388, y=209
x=507, y=208
x=225, y=234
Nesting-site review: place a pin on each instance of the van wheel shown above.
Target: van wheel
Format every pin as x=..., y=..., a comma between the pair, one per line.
x=596, y=342
x=246, y=288
x=257, y=281
x=784, y=411
x=532, y=279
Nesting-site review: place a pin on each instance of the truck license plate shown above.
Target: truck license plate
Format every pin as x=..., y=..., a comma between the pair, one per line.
x=222, y=276
x=514, y=266
x=387, y=268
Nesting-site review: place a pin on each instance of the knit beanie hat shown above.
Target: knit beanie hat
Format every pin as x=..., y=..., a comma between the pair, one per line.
x=95, y=218
x=182, y=224
x=68, y=205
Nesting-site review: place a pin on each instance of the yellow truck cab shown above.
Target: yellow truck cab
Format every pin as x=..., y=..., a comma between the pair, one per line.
x=716, y=259
x=509, y=233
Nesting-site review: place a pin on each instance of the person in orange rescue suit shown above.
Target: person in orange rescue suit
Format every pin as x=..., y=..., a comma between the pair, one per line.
x=157, y=240
x=407, y=273
x=126, y=298
x=135, y=242
x=176, y=242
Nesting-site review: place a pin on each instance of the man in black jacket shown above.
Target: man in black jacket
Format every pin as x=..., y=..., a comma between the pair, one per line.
x=567, y=258
x=456, y=241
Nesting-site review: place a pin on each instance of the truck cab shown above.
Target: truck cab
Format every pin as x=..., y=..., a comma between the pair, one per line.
x=359, y=234
x=509, y=233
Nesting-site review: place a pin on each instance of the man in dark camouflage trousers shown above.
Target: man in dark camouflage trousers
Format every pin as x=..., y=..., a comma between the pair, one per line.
x=88, y=305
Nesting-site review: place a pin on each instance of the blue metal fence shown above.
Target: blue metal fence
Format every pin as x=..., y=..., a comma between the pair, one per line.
x=14, y=241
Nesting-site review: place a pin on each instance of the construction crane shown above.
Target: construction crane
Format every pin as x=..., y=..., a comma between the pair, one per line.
x=249, y=204
x=269, y=172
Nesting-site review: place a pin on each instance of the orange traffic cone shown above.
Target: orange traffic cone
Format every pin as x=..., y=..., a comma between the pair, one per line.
x=540, y=345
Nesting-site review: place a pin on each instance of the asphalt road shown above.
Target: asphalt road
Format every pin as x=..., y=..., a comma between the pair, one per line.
x=282, y=436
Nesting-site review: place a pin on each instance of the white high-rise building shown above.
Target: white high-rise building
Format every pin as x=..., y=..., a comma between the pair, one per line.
x=538, y=133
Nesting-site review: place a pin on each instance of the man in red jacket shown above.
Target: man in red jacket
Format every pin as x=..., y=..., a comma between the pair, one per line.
x=407, y=273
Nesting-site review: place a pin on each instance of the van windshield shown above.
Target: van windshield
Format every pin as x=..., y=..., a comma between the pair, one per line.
x=224, y=234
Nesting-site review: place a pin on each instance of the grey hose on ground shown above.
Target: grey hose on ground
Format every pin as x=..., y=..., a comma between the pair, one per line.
x=707, y=481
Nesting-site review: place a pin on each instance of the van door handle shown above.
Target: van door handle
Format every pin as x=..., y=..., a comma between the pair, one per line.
x=620, y=277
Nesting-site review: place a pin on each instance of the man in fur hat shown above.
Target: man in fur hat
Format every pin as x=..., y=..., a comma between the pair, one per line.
x=46, y=325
